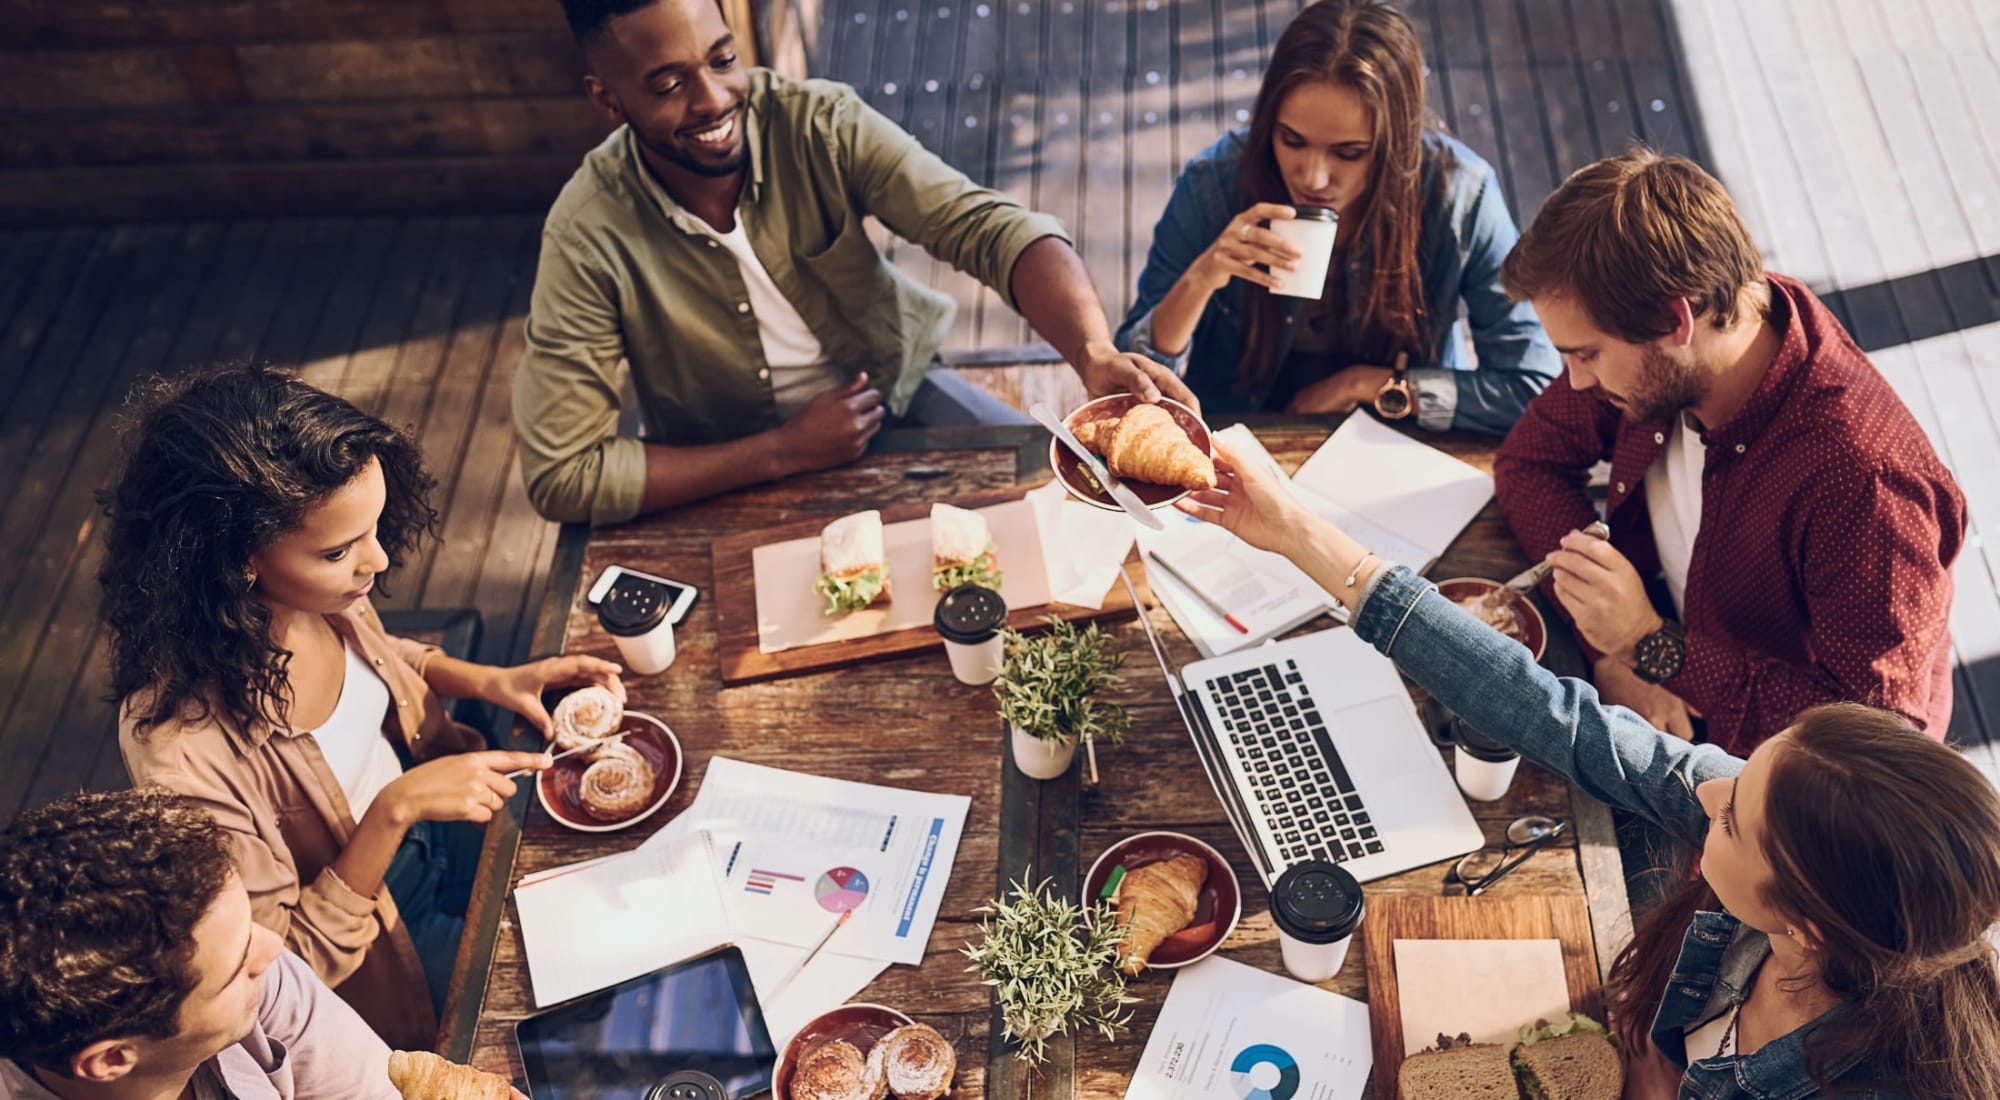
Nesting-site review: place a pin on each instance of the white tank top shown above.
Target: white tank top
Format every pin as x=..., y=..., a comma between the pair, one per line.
x=351, y=739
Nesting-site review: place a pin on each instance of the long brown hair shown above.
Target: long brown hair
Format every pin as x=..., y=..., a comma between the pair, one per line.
x=1888, y=844
x=1369, y=46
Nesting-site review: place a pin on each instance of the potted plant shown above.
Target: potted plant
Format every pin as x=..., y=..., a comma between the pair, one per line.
x=1051, y=968
x=1045, y=689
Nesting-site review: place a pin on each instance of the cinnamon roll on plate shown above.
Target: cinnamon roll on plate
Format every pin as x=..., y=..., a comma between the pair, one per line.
x=617, y=782
x=864, y=1052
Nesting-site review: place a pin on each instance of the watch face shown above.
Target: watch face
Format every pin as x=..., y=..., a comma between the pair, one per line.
x=1393, y=401
x=1659, y=656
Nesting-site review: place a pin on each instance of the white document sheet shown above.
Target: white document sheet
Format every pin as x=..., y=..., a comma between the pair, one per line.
x=1399, y=497
x=1483, y=988
x=1230, y=1031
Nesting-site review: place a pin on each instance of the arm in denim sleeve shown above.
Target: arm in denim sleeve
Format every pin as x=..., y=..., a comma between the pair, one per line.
x=1493, y=682
x=1185, y=230
x=1516, y=359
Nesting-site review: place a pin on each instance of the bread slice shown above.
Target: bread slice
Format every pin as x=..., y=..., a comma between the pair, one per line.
x=1476, y=1072
x=1580, y=1066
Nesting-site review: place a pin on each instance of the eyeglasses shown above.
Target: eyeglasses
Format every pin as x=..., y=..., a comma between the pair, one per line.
x=1476, y=873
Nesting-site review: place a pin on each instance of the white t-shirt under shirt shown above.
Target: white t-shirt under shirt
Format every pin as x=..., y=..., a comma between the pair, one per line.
x=352, y=741
x=799, y=370
x=1673, y=503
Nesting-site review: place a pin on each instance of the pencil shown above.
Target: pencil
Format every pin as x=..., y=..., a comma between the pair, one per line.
x=1217, y=608
x=811, y=954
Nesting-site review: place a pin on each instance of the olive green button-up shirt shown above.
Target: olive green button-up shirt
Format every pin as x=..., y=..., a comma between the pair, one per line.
x=627, y=274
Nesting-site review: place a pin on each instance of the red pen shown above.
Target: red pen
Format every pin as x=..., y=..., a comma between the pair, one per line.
x=1217, y=608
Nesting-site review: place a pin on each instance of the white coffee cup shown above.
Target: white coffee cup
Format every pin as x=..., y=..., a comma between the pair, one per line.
x=969, y=619
x=1484, y=767
x=634, y=613
x=1312, y=233
x=1317, y=906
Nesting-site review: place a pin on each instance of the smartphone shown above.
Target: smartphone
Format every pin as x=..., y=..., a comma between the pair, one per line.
x=680, y=594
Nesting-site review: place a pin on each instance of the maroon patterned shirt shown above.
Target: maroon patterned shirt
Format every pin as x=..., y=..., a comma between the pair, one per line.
x=1822, y=567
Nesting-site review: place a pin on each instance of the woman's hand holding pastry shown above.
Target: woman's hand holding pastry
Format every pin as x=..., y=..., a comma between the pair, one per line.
x=520, y=688
x=466, y=786
x=1245, y=243
x=1250, y=502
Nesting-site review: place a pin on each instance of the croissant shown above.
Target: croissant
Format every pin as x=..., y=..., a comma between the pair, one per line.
x=421, y=1075
x=920, y=1062
x=1148, y=444
x=837, y=1071
x=1154, y=902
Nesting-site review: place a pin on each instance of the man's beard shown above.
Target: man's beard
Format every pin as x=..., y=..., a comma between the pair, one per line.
x=676, y=154
x=1666, y=387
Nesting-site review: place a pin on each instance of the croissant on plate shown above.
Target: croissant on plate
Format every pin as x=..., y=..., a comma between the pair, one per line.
x=421, y=1075
x=1154, y=902
x=1148, y=444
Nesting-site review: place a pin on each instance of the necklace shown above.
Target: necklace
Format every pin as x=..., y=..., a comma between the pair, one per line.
x=1728, y=1044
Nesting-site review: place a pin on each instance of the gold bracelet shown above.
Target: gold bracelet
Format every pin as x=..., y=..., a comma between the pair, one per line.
x=1354, y=574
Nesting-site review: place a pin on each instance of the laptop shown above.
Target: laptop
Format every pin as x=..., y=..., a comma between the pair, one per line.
x=1315, y=750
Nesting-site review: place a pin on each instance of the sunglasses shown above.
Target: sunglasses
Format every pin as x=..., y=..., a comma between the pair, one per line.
x=1476, y=872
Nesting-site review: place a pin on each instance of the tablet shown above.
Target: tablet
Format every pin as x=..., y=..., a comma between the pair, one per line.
x=617, y=1043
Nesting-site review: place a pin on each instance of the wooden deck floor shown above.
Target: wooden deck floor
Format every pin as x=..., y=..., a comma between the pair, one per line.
x=1884, y=198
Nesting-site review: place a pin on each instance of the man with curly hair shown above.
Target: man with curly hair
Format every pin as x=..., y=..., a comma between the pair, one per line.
x=130, y=968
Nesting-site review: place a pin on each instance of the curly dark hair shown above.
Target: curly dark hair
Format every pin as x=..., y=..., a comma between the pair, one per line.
x=218, y=464
x=99, y=896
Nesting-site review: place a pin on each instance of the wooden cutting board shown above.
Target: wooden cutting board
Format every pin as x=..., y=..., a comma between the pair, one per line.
x=736, y=603
x=1392, y=917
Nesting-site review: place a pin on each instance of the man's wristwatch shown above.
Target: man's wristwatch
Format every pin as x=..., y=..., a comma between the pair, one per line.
x=1396, y=400
x=1658, y=656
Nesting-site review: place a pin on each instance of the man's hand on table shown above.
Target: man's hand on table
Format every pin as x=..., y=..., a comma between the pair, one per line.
x=1619, y=686
x=1603, y=595
x=833, y=429
x=1106, y=370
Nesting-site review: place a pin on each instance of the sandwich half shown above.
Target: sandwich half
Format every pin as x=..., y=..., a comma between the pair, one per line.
x=1458, y=1070
x=1572, y=1059
x=961, y=549
x=853, y=570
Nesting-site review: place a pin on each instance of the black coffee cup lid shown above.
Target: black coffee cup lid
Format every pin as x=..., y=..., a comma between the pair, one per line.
x=1316, y=213
x=633, y=607
x=969, y=614
x=1316, y=902
x=1479, y=746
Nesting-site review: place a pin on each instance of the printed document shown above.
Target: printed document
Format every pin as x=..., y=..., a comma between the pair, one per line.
x=1234, y=1032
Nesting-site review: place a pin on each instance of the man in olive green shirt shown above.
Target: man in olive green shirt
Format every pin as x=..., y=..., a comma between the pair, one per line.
x=715, y=242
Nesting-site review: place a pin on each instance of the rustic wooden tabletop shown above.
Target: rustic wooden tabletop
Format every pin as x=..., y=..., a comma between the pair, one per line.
x=905, y=721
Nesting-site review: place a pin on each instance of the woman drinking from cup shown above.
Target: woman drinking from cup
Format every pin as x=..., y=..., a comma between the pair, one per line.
x=1339, y=126
x=252, y=519
x=1836, y=940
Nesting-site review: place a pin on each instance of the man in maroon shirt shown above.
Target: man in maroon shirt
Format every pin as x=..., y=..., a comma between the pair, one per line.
x=1782, y=532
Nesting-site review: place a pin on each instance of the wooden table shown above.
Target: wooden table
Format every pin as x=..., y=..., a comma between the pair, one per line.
x=907, y=722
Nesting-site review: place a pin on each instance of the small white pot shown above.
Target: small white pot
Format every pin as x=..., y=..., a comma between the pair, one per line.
x=1039, y=759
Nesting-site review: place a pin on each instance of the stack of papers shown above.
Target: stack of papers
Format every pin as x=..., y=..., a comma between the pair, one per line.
x=1231, y=1032
x=1400, y=498
x=766, y=859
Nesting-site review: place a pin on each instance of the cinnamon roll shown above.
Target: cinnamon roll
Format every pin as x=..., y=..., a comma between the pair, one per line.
x=617, y=783
x=585, y=715
x=837, y=1071
x=919, y=1062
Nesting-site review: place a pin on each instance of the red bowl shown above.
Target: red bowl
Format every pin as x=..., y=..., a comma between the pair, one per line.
x=1069, y=468
x=861, y=1024
x=1534, y=631
x=1216, y=911
x=559, y=787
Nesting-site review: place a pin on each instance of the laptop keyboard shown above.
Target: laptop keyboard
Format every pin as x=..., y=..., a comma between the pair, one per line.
x=1296, y=778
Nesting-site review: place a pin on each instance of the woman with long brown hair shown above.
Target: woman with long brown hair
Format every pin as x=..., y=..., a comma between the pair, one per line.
x=1339, y=123
x=1836, y=941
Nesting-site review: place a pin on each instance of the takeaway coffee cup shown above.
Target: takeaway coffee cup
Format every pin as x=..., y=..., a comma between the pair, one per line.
x=1317, y=906
x=1312, y=233
x=1485, y=767
x=969, y=619
x=634, y=613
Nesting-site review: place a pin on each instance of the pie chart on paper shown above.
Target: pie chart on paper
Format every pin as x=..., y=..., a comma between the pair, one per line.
x=841, y=889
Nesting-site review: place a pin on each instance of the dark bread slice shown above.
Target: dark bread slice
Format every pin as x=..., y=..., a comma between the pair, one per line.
x=1476, y=1072
x=1581, y=1066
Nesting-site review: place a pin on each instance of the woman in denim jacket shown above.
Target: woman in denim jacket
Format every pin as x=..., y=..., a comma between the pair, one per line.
x=1339, y=123
x=1836, y=940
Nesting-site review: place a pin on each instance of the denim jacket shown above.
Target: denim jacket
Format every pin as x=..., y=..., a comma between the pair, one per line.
x=1615, y=757
x=1467, y=232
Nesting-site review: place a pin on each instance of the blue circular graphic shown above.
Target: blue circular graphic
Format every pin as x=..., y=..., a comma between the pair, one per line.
x=1243, y=1073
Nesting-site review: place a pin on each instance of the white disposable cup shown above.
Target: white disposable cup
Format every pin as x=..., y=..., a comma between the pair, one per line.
x=978, y=663
x=1312, y=233
x=648, y=653
x=1483, y=780
x=1312, y=962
